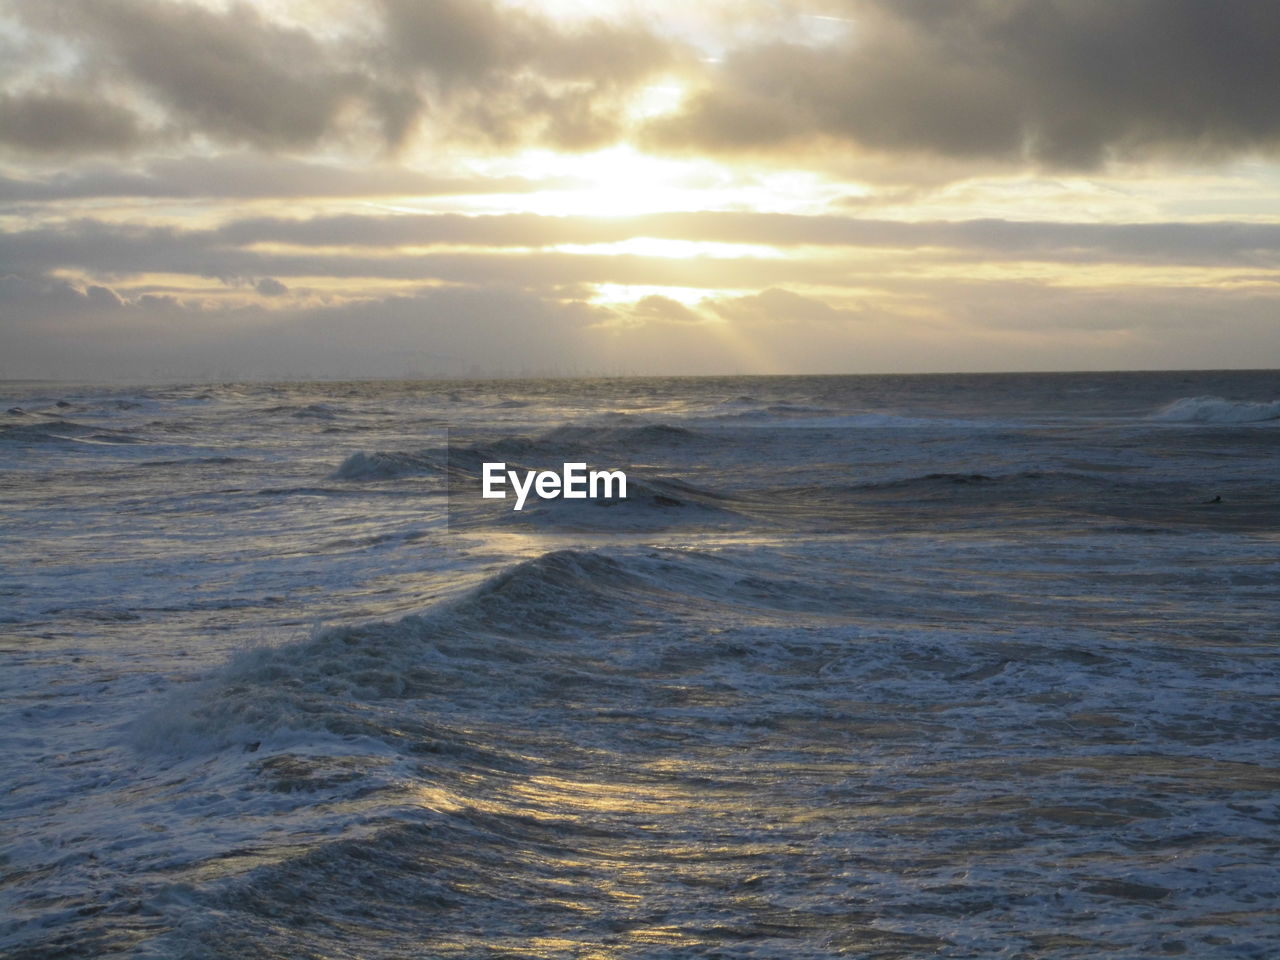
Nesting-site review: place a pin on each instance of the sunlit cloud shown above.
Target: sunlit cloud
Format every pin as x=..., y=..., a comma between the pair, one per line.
x=771, y=186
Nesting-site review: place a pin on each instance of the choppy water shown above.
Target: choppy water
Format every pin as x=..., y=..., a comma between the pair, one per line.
x=966, y=666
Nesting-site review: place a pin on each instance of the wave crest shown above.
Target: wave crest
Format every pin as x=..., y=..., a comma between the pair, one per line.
x=1218, y=410
x=382, y=465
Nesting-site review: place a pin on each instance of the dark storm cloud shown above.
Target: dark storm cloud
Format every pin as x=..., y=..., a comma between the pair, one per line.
x=1062, y=82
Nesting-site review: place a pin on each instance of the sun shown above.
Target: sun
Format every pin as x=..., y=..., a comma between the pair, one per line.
x=616, y=182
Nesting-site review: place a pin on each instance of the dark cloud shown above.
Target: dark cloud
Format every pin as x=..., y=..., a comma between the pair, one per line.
x=507, y=76
x=56, y=123
x=459, y=70
x=231, y=75
x=1061, y=82
x=1067, y=83
x=270, y=287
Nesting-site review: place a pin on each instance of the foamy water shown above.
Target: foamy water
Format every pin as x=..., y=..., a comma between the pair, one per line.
x=976, y=666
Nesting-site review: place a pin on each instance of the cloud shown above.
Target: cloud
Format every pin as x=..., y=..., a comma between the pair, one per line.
x=46, y=122
x=54, y=328
x=241, y=176
x=1063, y=83
x=230, y=74
x=270, y=287
x=775, y=308
x=364, y=247
x=1059, y=83
x=1188, y=243
x=656, y=309
x=378, y=74
x=506, y=76
x=107, y=250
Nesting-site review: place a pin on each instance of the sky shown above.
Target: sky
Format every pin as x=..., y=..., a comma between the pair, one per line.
x=201, y=189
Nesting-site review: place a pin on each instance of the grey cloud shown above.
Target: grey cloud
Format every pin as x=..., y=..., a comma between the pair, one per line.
x=55, y=329
x=774, y=307
x=1067, y=83
x=103, y=297
x=456, y=40
x=1062, y=82
x=249, y=176
x=230, y=74
x=511, y=75
x=270, y=287
x=110, y=250
x=480, y=43
x=51, y=328
x=54, y=123
x=462, y=70
x=1195, y=243
x=661, y=309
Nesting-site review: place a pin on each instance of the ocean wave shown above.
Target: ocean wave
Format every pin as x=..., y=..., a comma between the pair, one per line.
x=580, y=440
x=383, y=465
x=794, y=419
x=63, y=431
x=1218, y=410
x=1029, y=479
x=522, y=634
x=648, y=434
x=345, y=680
x=653, y=502
x=309, y=411
x=796, y=408
x=1029, y=484
x=816, y=502
x=534, y=624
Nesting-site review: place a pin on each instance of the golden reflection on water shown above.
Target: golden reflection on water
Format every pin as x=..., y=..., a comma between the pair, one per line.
x=639, y=849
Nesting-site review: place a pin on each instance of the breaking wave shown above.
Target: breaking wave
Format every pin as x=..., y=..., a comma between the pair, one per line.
x=381, y=465
x=346, y=680
x=1218, y=410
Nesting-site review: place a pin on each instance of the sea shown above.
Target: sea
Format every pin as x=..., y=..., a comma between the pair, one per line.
x=862, y=666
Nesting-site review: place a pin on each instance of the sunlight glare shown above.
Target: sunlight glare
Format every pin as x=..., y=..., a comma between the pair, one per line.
x=672, y=249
